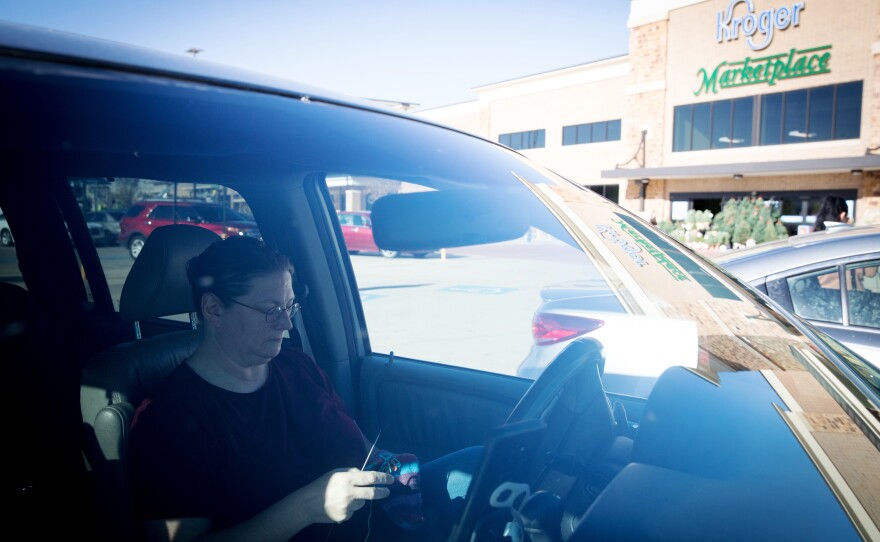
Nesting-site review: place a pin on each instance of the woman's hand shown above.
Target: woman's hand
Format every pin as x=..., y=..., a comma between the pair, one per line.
x=337, y=495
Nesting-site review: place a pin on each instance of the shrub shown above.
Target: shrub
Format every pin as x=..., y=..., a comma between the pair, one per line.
x=741, y=221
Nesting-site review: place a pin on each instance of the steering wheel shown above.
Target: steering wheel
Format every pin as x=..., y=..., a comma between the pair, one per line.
x=569, y=400
x=573, y=378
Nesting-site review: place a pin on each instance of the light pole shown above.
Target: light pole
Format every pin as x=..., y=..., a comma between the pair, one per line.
x=194, y=51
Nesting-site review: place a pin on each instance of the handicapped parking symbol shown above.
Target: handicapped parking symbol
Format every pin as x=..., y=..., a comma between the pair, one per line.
x=485, y=290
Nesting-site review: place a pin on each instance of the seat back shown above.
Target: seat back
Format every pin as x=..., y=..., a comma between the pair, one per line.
x=116, y=381
x=45, y=466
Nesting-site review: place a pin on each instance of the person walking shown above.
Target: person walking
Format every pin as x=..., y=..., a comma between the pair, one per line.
x=834, y=212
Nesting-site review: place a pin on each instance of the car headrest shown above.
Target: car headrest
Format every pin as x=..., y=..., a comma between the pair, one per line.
x=157, y=284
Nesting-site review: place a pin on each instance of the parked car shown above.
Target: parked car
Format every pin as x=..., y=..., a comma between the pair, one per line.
x=357, y=231
x=5, y=233
x=108, y=220
x=97, y=233
x=145, y=216
x=829, y=278
x=591, y=309
x=771, y=435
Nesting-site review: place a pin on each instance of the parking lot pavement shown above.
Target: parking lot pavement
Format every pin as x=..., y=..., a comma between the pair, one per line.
x=496, y=339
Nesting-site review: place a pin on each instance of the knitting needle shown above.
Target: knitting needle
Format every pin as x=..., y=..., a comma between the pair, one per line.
x=373, y=447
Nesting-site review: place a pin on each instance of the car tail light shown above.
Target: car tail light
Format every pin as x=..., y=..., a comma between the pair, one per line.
x=704, y=360
x=554, y=328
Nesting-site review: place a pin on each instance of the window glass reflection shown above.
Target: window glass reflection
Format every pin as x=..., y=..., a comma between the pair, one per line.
x=701, y=127
x=681, y=137
x=795, y=118
x=743, y=109
x=848, y=112
x=721, y=124
x=771, y=119
x=816, y=296
x=863, y=294
x=821, y=108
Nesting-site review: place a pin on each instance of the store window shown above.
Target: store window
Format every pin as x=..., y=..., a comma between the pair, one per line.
x=608, y=191
x=593, y=132
x=800, y=116
x=533, y=139
x=796, y=208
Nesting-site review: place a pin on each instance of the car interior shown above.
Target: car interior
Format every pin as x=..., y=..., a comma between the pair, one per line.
x=589, y=451
x=89, y=332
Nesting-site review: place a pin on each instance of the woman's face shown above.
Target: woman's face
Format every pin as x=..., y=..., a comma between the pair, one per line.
x=244, y=333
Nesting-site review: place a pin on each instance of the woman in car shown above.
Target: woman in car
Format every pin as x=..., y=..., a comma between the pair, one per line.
x=248, y=440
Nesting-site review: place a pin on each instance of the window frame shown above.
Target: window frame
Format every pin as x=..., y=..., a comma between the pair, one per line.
x=529, y=139
x=773, y=118
x=610, y=129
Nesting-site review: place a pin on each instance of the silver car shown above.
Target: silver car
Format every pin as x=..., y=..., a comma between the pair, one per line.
x=829, y=278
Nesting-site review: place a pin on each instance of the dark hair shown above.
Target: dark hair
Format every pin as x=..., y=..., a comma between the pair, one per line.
x=832, y=206
x=225, y=268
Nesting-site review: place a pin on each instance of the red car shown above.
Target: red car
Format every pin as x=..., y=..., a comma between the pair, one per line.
x=145, y=216
x=357, y=230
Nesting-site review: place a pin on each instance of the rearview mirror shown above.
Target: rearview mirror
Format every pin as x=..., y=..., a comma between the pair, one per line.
x=450, y=218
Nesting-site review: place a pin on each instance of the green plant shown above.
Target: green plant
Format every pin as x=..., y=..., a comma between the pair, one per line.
x=742, y=232
x=749, y=218
x=739, y=221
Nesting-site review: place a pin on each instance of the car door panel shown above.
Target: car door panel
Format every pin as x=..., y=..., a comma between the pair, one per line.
x=430, y=409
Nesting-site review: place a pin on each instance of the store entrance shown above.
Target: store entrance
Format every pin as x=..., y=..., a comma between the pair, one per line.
x=796, y=208
x=707, y=204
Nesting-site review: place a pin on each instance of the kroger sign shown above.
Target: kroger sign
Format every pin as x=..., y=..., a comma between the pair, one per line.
x=757, y=27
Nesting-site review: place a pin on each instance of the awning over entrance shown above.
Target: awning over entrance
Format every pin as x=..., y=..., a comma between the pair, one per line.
x=781, y=167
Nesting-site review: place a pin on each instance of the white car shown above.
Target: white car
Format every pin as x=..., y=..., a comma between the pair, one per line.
x=637, y=347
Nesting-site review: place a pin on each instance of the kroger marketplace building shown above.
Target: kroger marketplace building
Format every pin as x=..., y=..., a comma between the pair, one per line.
x=716, y=99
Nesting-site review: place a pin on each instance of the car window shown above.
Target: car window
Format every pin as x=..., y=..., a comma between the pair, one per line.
x=134, y=210
x=344, y=219
x=863, y=293
x=218, y=213
x=9, y=271
x=162, y=212
x=186, y=213
x=120, y=193
x=816, y=295
x=468, y=306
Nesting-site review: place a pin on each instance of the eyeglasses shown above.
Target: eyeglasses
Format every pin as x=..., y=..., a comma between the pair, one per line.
x=274, y=314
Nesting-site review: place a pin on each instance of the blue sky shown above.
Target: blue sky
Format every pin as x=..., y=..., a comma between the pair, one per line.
x=419, y=51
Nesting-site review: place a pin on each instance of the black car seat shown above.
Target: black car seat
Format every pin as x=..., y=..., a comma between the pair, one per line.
x=45, y=470
x=117, y=380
